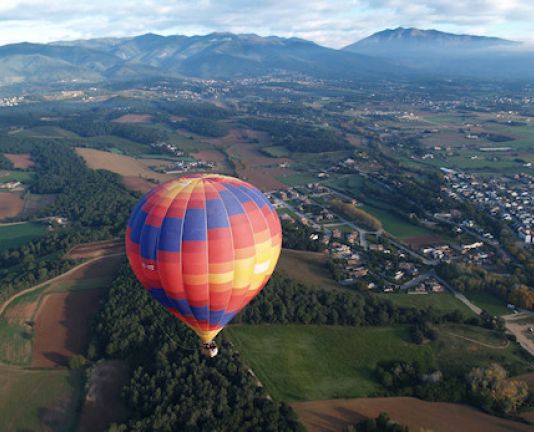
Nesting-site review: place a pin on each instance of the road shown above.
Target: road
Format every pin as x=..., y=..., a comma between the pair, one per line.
x=459, y=296
x=417, y=280
x=4, y=306
x=520, y=330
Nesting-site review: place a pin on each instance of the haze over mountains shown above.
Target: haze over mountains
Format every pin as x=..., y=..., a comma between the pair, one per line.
x=389, y=54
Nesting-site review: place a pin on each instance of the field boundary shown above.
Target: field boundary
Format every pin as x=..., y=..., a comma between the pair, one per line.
x=5, y=305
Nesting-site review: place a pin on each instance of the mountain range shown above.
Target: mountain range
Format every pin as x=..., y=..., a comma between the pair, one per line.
x=389, y=54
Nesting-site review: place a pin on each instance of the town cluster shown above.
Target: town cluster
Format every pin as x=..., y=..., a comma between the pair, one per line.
x=510, y=198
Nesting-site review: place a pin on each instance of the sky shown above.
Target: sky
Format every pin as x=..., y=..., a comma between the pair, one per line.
x=333, y=23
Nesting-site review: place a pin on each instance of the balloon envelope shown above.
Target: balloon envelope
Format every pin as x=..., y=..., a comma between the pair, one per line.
x=203, y=246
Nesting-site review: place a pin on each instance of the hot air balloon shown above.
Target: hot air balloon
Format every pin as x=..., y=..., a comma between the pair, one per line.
x=204, y=246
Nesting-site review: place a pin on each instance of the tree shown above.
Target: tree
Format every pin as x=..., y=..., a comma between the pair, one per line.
x=491, y=389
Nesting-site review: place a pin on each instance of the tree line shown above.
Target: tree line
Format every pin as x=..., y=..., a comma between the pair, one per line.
x=298, y=137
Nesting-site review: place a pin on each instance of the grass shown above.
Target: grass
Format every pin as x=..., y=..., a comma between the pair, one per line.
x=28, y=397
x=489, y=302
x=12, y=236
x=15, y=342
x=443, y=302
x=396, y=225
x=188, y=144
x=309, y=268
x=457, y=355
x=276, y=151
x=310, y=362
x=21, y=176
x=298, y=179
x=351, y=185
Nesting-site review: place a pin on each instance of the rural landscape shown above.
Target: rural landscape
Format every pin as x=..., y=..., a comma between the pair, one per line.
x=403, y=298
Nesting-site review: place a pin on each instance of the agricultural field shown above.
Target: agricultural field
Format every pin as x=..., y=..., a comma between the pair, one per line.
x=46, y=326
x=443, y=302
x=309, y=268
x=396, y=225
x=133, y=118
x=21, y=176
x=460, y=348
x=11, y=205
x=489, y=302
x=335, y=415
x=39, y=400
x=310, y=362
x=35, y=202
x=46, y=132
x=298, y=179
x=14, y=235
x=21, y=161
x=276, y=151
x=125, y=166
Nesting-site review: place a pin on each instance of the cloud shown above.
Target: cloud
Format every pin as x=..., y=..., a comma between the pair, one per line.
x=333, y=23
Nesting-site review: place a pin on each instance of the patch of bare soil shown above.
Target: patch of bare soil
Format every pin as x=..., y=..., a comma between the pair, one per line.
x=103, y=404
x=96, y=249
x=11, y=204
x=336, y=415
x=134, y=118
x=62, y=326
x=21, y=161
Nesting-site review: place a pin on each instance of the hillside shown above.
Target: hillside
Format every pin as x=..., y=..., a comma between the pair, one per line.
x=449, y=55
x=216, y=55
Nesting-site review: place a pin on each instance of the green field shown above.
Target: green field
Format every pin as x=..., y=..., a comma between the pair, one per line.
x=46, y=132
x=489, y=302
x=455, y=354
x=33, y=400
x=396, y=225
x=188, y=143
x=276, y=151
x=12, y=236
x=298, y=179
x=21, y=176
x=310, y=362
x=351, y=185
x=443, y=302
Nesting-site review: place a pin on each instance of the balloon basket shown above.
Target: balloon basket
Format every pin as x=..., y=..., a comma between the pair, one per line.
x=209, y=349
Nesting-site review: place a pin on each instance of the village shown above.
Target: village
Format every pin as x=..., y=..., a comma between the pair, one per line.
x=509, y=198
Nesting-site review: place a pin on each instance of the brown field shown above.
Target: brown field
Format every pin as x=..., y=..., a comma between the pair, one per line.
x=36, y=202
x=96, y=249
x=354, y=140
x=62, y=326
x=137, y=184
x=22, y=161
x=103, y=404
x=11, y=204
x=216, y=156
x=421, y=241
x=125, y=166
x=252, y=165
x=106, y=267
x=335, y=415
x=62, y=322
x=134, y=118
x=306, y=267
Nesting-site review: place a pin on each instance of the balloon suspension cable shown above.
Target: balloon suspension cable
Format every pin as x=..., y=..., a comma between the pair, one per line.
x=172, y=339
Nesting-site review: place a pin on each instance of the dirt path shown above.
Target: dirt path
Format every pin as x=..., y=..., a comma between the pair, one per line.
x=506, y=345
x=55, y=279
